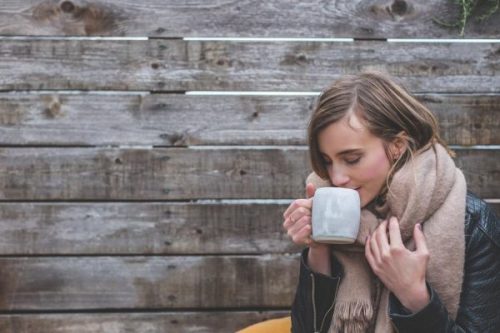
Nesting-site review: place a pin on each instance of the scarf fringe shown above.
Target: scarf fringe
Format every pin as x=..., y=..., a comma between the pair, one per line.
x=352, y=317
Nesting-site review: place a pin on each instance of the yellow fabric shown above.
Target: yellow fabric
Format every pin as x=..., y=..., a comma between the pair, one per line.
x=279, y=325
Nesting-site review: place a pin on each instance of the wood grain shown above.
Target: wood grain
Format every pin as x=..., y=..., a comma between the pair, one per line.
x=242, y=18
x=145, y=228
x=142, y=228
x=177, y=65
x=186, y=282
x=179, y=120
x=186, y=322
x=184, y=173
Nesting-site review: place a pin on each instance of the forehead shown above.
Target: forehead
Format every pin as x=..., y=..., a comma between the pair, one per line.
x=347, y=133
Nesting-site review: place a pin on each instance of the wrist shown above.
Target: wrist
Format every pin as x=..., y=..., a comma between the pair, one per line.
x=415, y=299
x=319, y=259
x=319, y=248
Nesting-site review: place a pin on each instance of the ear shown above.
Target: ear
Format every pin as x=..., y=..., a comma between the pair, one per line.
x=399, y=145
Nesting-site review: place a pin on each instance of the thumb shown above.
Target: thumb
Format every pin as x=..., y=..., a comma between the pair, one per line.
x=418, y=236
x=310, y=189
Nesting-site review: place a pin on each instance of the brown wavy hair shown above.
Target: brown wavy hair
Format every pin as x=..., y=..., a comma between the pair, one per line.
x=385, y=107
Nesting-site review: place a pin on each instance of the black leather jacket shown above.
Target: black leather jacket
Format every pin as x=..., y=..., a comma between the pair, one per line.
x=479, y=309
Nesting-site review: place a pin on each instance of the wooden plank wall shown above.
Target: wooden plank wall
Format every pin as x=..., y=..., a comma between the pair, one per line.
x=127, y=205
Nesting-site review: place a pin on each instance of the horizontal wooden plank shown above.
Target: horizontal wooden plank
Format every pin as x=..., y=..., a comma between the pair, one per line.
x=184, y=173
x=186, y=322
x=142, y=228
x=167, y=120
x=178, y=65
x=91, y=283
x=279, y=18
x=150, y=174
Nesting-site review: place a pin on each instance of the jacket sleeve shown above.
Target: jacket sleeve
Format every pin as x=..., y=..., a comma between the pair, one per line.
x=312, y=308
x=479, y=309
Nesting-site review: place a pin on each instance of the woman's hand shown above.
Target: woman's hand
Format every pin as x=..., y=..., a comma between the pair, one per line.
x=297, y=223
x=400, y=270
x=297, y=218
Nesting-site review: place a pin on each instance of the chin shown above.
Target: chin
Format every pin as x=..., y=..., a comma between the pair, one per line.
x=365, y=201
x=362, y=202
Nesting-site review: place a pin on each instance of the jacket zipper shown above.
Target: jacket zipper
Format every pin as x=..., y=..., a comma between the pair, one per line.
x=331, y=307
x=314, y=306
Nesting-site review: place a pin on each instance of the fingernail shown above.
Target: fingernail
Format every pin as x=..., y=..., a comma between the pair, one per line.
x=366, y=239
x=419, y=226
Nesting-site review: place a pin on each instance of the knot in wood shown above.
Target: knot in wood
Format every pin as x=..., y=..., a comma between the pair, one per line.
x=54, y=109
x=67, y=6
x=176, y=139
x=399, y=7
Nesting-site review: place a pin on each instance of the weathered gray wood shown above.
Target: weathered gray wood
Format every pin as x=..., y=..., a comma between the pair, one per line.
x=177, y=65
x=142, y=228
x=279, y=18
x=91, y=283
x=185, y=322
x=183, y=173
x=466, y=119
x=150, y=174
x=160, y=119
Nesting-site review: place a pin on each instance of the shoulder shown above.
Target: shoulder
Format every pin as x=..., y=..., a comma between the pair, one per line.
x=481, y=222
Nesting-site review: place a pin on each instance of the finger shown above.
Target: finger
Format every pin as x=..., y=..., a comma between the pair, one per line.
x=288, y=223
x=374, y=248
x=368, y=253
x=299, y=224
x=310, y=189
x=419, y=238
x=306, y=203
x=381, y=238
x=395, y=233
x=295, y=216
x=303, y=236
x=293, y=206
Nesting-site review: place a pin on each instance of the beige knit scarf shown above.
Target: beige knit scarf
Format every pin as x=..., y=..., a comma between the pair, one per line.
x=428, y=190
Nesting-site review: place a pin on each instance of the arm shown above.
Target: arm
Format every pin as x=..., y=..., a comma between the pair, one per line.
x=480, y=297
x=312, y=308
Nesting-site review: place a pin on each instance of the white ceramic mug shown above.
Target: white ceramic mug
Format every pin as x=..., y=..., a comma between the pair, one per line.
x=335, y=215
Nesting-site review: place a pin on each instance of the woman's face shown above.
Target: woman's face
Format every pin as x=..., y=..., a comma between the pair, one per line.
x=354, y=157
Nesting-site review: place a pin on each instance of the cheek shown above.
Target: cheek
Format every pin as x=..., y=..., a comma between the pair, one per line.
x=378, y=168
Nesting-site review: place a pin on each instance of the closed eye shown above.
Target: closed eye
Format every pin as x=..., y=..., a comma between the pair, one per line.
x=353, y=161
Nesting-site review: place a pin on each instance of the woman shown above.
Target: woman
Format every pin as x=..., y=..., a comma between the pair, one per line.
x=427, y=255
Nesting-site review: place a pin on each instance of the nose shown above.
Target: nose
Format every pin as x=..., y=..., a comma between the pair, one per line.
x=339, y=177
